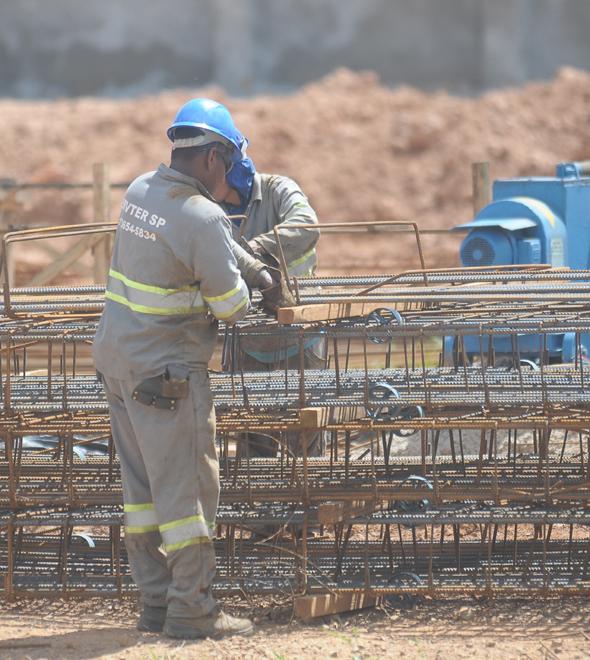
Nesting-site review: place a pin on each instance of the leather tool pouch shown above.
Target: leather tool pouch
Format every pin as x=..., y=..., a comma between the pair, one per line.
x=163, y=391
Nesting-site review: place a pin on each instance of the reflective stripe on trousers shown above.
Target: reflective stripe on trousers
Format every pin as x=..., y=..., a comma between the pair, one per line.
x=181, y=533
x=140, y=518
x=176, y=534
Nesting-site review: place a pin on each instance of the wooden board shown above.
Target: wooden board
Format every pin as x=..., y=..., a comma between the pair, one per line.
x=309, y=607
x=313, y=418
x=335, y=512
x=324, y=312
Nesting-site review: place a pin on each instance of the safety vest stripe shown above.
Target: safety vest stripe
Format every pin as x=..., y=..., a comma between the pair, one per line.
x=183, y=530
x=233, y=310
x=189, y=301
x=222, y=297
x=187, y=297
x=303, y=265
x=140, y=518
x=149, y=287
x=280, y=354
x=144, y=309
x=183, y=544
x=227, y=304
x=180, y=522
x=140, y=529
x=128, y=508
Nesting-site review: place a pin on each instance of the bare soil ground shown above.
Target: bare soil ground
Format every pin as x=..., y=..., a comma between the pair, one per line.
x=459, y=629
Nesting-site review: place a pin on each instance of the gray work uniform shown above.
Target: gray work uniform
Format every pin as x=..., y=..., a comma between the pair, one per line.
x=173, y=274
x=278, y=200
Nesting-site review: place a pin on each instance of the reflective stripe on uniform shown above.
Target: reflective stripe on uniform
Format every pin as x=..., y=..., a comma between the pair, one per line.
x=181, y=533
x=228, y=303
x=140, y=518
x=303, y=265
x=148, y=299
x=280, y=354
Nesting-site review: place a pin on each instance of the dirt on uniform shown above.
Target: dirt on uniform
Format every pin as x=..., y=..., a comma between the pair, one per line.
x=360, y=150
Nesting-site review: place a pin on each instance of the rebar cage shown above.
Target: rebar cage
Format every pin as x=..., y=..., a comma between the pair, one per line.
x=444, y=471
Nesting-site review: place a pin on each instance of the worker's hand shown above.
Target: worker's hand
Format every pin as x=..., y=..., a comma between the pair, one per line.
x=257, y=250
x=277, y=294
x=264, y=280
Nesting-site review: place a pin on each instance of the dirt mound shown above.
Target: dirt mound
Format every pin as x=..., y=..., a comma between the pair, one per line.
x=360, y=150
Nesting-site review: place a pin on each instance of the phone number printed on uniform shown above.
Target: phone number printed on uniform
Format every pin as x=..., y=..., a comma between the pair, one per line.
x=140, y=232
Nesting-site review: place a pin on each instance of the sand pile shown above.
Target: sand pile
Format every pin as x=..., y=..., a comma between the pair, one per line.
x=360, y=150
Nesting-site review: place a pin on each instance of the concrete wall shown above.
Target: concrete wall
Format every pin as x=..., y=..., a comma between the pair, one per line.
x=73, y=47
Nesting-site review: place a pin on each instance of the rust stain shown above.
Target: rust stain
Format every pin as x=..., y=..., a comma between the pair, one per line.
x=181, y=191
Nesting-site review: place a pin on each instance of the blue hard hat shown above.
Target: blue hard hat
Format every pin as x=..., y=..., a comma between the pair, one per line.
x=213, y=117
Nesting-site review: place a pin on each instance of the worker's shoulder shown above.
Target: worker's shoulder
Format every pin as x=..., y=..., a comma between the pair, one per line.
x=278, y=182
x=140, y=182
x=198, y=207
x=181, y=197
x=199, y=214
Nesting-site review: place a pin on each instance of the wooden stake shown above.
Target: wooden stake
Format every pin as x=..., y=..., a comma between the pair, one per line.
x=482, y=195
x=102, y=212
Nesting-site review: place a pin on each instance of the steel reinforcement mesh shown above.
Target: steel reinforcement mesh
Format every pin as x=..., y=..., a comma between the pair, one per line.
x=456, y=446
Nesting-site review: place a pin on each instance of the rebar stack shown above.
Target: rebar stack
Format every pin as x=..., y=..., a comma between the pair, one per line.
x=444, y=473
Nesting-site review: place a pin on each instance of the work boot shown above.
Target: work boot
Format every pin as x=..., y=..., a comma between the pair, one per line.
x=216, y=624
x=151, y=619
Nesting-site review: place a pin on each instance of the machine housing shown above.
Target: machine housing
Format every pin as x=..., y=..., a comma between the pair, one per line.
x=537, y=220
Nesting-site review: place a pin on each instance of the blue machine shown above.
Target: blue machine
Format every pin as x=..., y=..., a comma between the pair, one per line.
x=541, y=220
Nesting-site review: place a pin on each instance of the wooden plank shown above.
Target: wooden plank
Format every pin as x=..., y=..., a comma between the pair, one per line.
x=65, y=260
x=309, y=607
x=312, y=418
x=324, y=312
x=331, y=513
x=335, y=512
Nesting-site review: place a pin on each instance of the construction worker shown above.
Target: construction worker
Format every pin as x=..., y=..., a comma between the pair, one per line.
x=257, y=203
x=267, y=201
x=175, y=270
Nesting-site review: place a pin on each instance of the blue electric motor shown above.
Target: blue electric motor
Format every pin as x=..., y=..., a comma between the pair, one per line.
x=540, y=220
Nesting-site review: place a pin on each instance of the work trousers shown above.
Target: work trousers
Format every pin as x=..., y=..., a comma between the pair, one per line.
x=170, y=476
